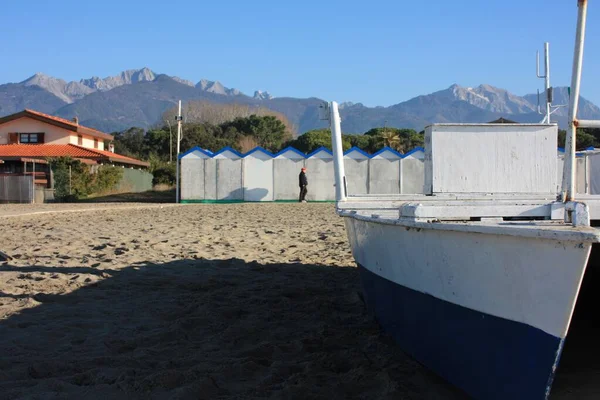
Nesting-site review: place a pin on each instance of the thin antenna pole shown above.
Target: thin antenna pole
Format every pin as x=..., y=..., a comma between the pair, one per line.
x=178, y=148
x=338, y=153
x=547, y=78
x=571, y=140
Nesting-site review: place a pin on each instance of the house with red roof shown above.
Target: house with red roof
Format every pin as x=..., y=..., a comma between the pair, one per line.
x=28, y=138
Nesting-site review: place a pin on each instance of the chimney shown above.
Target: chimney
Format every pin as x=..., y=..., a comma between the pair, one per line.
x=76, y=120
x=111, y=147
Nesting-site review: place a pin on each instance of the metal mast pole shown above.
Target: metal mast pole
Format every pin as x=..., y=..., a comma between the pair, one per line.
x=571, y=140
x=338, y=153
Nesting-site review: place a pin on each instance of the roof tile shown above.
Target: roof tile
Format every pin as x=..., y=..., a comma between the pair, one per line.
x=64, y=150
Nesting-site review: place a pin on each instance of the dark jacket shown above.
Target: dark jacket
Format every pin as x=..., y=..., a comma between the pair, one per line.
x=302, y=179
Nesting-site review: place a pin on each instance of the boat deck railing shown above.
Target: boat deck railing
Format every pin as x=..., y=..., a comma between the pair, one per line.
x=468, y=206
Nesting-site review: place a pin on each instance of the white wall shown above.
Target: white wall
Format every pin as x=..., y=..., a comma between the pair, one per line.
x=210, y=179
x=560, y=163
x=412, y=175
x=258, y=177
x=384, y=176
x=490, y=158
x=593, y=162
x=52, y=134
x=286, y=171
x=319, y=172
x=87, y=141
x=192, y=176
x=357, y=175
x=580, y=175
x=229, y=179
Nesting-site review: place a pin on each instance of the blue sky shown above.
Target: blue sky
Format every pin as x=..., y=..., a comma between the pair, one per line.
x=374, y=52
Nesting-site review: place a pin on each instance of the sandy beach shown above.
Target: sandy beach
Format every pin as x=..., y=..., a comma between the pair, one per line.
x=187, y=302
x=130, y=301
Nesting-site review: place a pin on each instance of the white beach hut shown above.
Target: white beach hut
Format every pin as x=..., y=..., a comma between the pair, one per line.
x=356, y=163
x=384, y=172
x=286, y=168
x=228, y=175
x=258, y=175
x=412, y=171
x=192, y=173
x=319, y=165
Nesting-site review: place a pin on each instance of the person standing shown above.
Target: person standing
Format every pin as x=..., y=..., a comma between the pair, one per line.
x=303, y=184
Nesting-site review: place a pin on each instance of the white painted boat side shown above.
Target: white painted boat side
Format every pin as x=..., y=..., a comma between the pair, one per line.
x=457, y=196
x=466, y=209
x=523, y=278
x=552, y=230
x=532, y=206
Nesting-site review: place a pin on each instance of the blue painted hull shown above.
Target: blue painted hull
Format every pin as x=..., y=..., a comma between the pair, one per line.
x=486, y=356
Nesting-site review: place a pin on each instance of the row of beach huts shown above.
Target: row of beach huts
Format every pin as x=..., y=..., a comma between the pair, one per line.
x=258, y=175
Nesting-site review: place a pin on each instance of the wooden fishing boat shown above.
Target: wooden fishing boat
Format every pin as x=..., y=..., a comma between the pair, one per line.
x=478, y=277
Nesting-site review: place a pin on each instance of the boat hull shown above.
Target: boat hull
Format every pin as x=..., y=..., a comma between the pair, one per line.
x=488, y=312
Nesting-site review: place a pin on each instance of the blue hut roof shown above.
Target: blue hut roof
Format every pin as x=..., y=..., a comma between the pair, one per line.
x=260, y=149
x=196, y=148
x=388, y=149
x=360, y=151
x=292, y=149
x=415, y=150
x=227, y=148
x=320, y=149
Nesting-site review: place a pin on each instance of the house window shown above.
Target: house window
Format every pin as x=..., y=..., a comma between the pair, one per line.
x=30, y=138
x=95, y=143
x=79, y=140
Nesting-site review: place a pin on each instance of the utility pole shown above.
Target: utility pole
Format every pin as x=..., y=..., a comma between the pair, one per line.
x=179, y=118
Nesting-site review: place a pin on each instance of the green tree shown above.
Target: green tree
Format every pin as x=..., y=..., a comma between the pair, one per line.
x=107, y=177
x=267, y=130
x=363, y=142
x=74, y=180
x=130, y=142
x=400, y=139
x=585, y=138
x=409, y=139
x=312, y=140
x=156, y=141
x=389, y=139
x=162, y=171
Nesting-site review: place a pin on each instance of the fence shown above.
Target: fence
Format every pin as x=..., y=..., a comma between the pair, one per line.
x=16, y=189
x=134, y=181
x=228, y=176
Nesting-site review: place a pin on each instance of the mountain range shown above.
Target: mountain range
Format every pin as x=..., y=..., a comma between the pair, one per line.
x=138, y=97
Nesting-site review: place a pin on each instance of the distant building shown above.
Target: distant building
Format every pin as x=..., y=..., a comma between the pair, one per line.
x=28, y=138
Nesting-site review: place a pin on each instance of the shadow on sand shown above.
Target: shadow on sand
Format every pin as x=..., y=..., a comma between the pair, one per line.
x=167, y=196
x=205, y=329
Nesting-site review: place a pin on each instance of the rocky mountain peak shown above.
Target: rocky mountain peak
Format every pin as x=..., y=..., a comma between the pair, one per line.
x=260, y=95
